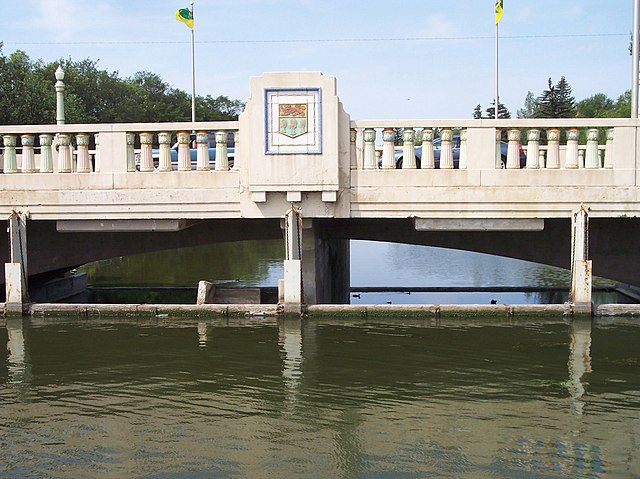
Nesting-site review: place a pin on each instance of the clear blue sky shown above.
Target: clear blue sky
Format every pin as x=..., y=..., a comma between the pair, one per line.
x=443, y=68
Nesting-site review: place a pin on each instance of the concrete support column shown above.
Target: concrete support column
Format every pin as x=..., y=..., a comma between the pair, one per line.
x=608, y=150
x=428, y=158
x=184, y=155
x=10, y=164
x=446, y=150
x=222, y=156
x=533, y=149
x=28, y=155
x=572, y=159
x=325, y=266
x=293, y=294
x=164, y=161
x=16, y=271
x=513, y=149
x=146, y=155
x=462, y=160
x=388, y=149
x=131, y=154
x=84, y=166
x=408, y=149
x=581, y=267
x=553, y=149
x=370, y=161
x=64, y=153
x=46, y=158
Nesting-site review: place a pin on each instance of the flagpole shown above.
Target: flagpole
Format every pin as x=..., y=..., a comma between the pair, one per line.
x=193, y=68
x=496, y=97
x=635, y=56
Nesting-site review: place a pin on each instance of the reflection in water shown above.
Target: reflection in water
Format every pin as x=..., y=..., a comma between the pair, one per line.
x=202, y=334
x=579, y=360
x=290, y=342
x=322, y=398
x=15, y=345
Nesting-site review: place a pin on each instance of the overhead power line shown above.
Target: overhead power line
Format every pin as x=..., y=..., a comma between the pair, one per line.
x=324, y=40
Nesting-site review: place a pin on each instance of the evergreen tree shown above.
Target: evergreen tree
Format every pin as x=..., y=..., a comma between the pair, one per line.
x=557, y=101
x=503, y=113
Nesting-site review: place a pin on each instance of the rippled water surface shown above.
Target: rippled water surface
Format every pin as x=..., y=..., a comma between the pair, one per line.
x=291, y=399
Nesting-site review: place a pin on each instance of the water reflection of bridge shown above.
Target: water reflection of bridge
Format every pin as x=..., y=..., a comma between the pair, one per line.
x=447, y=383
x=86, y=198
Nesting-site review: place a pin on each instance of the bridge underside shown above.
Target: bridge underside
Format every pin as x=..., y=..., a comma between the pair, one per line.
x=613, y=243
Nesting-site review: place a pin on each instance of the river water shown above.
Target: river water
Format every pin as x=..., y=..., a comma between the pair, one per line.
x=258, y=398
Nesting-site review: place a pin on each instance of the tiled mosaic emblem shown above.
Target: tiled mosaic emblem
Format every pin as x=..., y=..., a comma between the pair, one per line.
x=293, y=119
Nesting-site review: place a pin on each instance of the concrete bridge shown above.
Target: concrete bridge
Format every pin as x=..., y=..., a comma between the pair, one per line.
x=93, y=191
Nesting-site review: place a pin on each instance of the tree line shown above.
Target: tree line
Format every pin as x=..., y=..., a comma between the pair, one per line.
x=93, y=95
x=557, y=101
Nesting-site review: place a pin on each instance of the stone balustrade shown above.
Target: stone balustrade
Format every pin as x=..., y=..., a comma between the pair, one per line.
x=201, y=146
x=519, y=144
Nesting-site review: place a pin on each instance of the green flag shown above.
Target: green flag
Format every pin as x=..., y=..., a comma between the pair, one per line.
x=498, y=11
x=185, y=16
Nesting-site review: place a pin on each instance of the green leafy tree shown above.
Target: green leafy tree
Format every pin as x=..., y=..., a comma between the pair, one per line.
x=477, y=112
x=92, y=95
x=530, y=106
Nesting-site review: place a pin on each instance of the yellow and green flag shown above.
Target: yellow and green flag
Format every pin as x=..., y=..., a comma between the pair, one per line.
x=498, y=11
x=185, y=16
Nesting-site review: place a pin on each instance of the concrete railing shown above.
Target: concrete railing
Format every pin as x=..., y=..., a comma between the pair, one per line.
x=118, y=148
x=493, y=144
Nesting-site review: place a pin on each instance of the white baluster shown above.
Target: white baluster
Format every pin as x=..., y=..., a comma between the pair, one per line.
x=408, y=149
x=446, y=150
x=222, y=157
x=541, y=158
x=462, y=158
x=146, y=155
x=131, y=154
x=553, y=149
x=10, y=159
x=28, y=155
x=164, y=161
x=388, y=149
x=533, y=149
x=370, y=160
x=499, y=163
x=202, y=152
x=46, y=158
x=428, y=158
x=572, y=158
x=83, y=165
x=608, y=150
x=580, y=157
x=513, y=149
x=184, y=153
x=64, y=153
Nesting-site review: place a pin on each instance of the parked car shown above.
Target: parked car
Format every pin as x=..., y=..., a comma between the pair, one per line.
x=193, y=153
x=456, y=154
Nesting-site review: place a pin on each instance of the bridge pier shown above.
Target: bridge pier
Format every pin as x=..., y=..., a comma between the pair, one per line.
x=581, y=267
x=325, y=266
x=16, y=271
x=316, y=268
